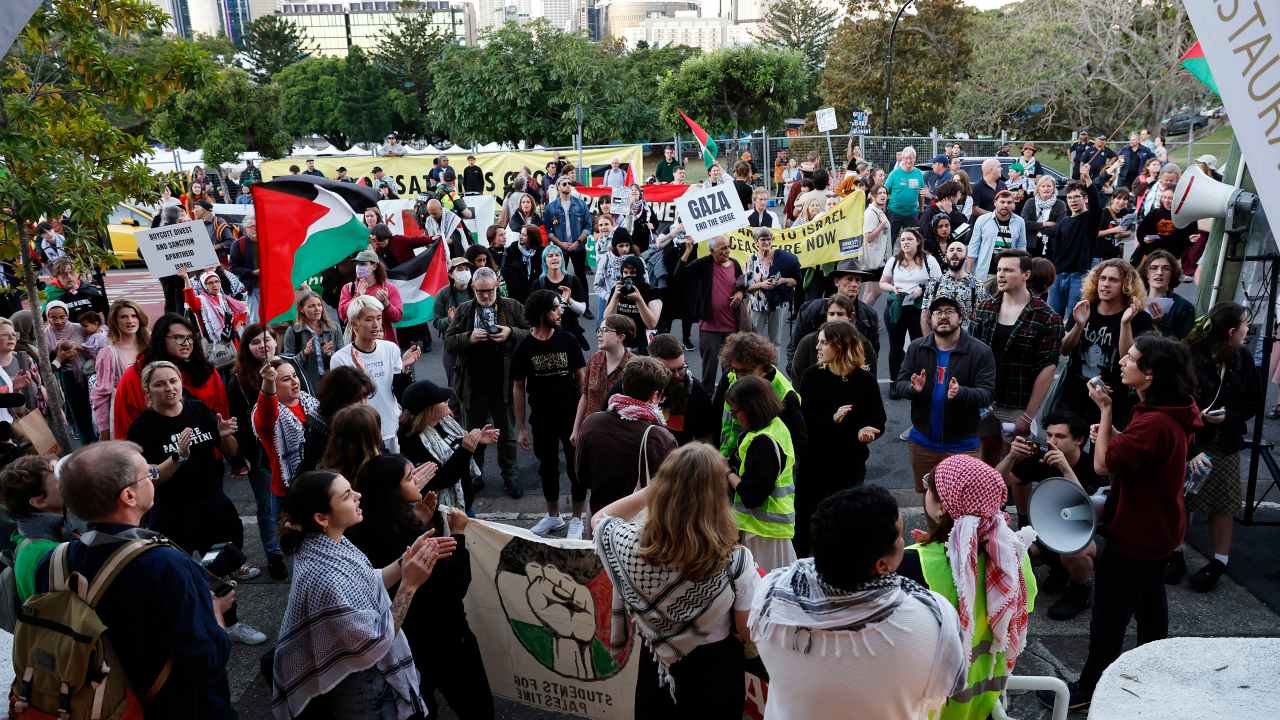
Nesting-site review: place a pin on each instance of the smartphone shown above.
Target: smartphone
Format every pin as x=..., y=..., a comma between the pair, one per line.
x=1216, y=413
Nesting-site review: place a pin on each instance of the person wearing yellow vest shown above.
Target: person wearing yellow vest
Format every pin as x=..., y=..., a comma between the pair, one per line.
x=763, y=474
x=972, y=558
x=744, y=354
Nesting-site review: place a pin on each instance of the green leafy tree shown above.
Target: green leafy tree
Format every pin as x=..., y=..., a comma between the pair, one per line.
x=800, y=25
x=339, y=100
x=225, y=117
x=272, y=44
x=931, y=58
x=735, y=88
x=218, y=47
x=61, y=154
x=408, y=57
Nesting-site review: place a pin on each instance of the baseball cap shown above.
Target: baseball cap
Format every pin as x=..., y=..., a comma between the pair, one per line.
x=458, y=262
x=1210, y=160
x=367, y=255
x=943, y=159
x=944, y=299
x=205, y=204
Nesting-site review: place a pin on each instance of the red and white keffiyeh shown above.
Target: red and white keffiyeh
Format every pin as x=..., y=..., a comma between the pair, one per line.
x=973, y=494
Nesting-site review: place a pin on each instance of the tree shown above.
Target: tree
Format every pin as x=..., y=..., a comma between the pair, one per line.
x=1109, y=64
x=800, y=25
x=272, y=44
x=931, y=56
x=735, y=88
x=408, y=57
x=340, y=100
x=225, y=117
x=61, y=82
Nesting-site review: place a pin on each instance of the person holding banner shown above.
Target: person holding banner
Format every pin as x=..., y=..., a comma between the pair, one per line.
x=687, y=583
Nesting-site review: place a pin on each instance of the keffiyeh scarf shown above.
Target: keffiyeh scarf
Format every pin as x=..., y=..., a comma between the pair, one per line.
x=798, y=602
x=1043, y=208
x=214, y=310
x=973, y=494
x=291, y=435
x=629, y=408
x=442, y=442
x=338, y=622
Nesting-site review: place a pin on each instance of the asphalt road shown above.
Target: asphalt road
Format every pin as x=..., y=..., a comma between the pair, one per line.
x=1054, y=648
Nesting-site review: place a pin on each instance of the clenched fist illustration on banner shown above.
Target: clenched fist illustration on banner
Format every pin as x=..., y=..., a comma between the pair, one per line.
x=566, y=608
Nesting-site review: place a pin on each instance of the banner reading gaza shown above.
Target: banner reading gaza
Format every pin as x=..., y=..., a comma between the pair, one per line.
x=540, y=610
x=831, y=237
x=410, y=172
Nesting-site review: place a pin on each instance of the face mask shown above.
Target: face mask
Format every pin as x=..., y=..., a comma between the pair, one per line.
x=461, y=278
x=363, y=272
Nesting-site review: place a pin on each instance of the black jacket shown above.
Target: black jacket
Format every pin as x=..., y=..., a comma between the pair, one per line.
x=1239, y=389
x=697, y=276
x=472, y=180
x=244, y=265
x=971, y=364
x=814, y=313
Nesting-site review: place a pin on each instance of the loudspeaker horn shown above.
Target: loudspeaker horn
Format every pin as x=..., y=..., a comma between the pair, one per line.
x=1064, y=515
x=1199, y=196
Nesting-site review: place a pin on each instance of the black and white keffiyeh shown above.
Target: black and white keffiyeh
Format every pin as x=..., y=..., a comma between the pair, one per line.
x=291, y=435
x=442, y=442
x=338, y=622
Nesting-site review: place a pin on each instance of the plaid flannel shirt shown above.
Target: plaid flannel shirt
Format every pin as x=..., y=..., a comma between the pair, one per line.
x=1034, y=344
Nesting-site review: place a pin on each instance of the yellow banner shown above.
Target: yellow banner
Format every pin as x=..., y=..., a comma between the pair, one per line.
x=831, y=237
x=499, y=168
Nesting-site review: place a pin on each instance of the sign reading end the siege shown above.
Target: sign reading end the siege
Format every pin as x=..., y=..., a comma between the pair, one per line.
x=171, y=248
x=711, y=211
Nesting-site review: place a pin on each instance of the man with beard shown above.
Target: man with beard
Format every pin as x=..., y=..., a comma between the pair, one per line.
x=848, y=278
x=441, y=224
x=949, y=377
x=954, y=282
x=685, y=403
x=994, y=233
x=1024, y=334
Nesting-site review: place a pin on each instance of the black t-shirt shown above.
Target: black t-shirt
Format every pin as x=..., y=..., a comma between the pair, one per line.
x=1004, y=241
x=1100, y=158
x=627, y=308
x=549, y=369
x=1032, y=471
x=1083, y=153
x=1098, y=351
x=81, y=300
x=1105, y=247
x=569, y=320
x=197, y=479
x=984, y=197
x=1000, y=339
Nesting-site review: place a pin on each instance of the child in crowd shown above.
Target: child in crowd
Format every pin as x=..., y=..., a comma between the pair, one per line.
x=95, y=335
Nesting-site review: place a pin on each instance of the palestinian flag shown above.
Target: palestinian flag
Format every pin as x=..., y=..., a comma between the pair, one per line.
x=1194, y=62
x=708, y=145
x=306, y=225
x=655, y=193
x=418, y=280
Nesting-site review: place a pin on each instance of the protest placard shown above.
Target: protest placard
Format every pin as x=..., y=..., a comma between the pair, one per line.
x=860, y=123
x=483, y=209
x=826, y=119
x=171, y=248
x=711, y=211
x=620, y=203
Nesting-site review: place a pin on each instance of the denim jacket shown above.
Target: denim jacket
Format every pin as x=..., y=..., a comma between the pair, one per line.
x=579, y=219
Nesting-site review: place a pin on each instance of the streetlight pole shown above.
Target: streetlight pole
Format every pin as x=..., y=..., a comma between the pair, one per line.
x=888, y=68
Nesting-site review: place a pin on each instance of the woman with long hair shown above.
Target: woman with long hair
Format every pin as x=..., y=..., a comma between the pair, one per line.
x=1144, y=520
x=687, y=583
x=1172, y=314
x=557, y=277
x=342, y=652
x=904, y=279
x=128, y=333
x=312, y=339
x=342, y=387
x=397, y=510
x=973, y=559
x=640, y=220
x=1227, y=383
x=371, y=280
x=522, y=263
x=18, y=372
x=525, y=214
x=429, y=434
x=877, y=242
x=356, y=436
x=372, y=217
x=177, y=340
x=762, y=473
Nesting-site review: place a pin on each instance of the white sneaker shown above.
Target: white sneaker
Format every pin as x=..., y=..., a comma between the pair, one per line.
x=575, y=528
x=245, y=634
x=248, y=572
x=547, y=525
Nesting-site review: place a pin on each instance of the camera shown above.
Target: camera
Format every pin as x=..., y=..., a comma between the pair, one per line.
x=221, y=562
x=628, y=286
x=489, y=321
x=1038, y=449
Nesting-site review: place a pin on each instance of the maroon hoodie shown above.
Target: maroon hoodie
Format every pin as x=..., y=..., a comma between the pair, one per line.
x=1144, y=517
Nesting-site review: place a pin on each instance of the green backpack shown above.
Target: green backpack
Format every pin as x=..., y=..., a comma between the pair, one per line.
x=63, y=664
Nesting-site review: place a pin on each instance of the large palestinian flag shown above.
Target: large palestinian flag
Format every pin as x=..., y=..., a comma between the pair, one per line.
x=708, y=144
x=418, y=280
x=1194, y=62
x=306, y=225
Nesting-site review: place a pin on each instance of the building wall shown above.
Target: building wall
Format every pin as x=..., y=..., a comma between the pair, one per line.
x=618, y=16
x=261, y=8
x=334, y=33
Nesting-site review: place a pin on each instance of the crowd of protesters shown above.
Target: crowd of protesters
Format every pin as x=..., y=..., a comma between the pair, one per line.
x=730, y=507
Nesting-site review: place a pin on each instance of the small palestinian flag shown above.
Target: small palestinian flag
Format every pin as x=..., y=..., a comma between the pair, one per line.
x=709, y=149
x=306, y=225
x=418, y=280
x=1194, y=62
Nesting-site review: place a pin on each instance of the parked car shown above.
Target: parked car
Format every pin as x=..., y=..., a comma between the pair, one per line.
x=122, y=223
x=1183, y=123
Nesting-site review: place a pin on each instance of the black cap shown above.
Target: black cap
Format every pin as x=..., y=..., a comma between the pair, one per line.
x=850, y=267
x=945, y=299
x=205, y=204
x=423, y=394
x=342, y=168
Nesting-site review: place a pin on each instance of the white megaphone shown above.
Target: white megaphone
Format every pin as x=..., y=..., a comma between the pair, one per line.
x=1199, y=196
x=1064, y=516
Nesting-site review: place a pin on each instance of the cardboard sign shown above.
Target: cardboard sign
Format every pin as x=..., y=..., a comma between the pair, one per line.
x=484, y=208
x=711, y=211
x=1237, y=42
x=860, y=123
x=170, y=248
x=620, y=204
x=826, y=119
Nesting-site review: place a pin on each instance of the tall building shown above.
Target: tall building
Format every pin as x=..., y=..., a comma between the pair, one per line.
x=686, y=28
x=561, y=14
x=179, y=16
x=334, y=28
x=260, y=8
x=617, y=16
